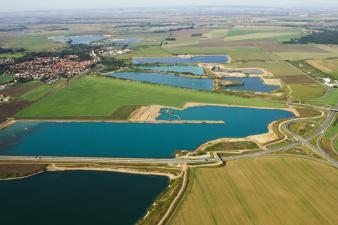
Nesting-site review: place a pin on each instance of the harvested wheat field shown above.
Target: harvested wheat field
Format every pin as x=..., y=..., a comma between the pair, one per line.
x=298, y=79
x=266, y=190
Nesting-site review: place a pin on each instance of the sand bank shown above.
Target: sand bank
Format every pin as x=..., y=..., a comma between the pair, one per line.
x=53, y=167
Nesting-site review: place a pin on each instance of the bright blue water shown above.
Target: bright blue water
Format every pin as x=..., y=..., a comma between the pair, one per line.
x=204, y=59
x=80, y=40
x=167, y=79
x=78, y=197
x=135, y=139
x=246, y=71
x=179, y=69
x=124, y=42
x=250, y=84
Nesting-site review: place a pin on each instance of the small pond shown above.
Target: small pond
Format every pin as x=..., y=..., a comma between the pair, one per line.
x=250, y=84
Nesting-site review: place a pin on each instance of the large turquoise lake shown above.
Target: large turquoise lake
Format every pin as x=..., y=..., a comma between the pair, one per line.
x=178, y=69
x=167, y=79
x=135, y=139
x=196, y=59
x=78, y=197
x=250, y=84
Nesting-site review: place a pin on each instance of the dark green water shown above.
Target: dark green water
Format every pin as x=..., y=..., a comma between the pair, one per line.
x=78, y=197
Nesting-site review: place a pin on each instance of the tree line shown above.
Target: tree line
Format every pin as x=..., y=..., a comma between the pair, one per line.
x=327, y=37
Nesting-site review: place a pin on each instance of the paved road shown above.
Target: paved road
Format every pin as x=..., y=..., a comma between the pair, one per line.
x=319, y=131
x=98, y=159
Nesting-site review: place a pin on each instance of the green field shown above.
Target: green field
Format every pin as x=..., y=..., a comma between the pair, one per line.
x=101, y=96
x=11, y=56
x=252, y=30
x=249, y=53
x=329, y=66
x=307, y=91
x=277, y=68
x=304, y=55
x=38, y=92
x=5, y=78
x=236, y=53
x=152, y=51
x=266, y=36
x=31, y=42
x=30, y=83
x=265, y=190
x=329, y=99
x=332, y=131
x=216, y=33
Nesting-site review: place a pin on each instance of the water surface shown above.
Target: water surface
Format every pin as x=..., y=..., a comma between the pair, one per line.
x=80, y=40
x=250, y=84
x=135, y=139
x=204, y=59
x=123, y=42
x=196, y=70
x=78, y=197
x=167, y=79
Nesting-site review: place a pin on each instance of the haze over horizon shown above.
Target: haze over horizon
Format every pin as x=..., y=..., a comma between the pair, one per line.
x=37, y=5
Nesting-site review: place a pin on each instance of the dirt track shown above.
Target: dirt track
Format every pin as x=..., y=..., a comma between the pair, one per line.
x=8, y=110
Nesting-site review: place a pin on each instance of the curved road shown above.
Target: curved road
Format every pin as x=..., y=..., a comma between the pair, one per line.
x=319, y=131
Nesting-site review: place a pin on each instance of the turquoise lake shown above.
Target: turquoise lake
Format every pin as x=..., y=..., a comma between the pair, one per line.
x=79, y=197
x=204, y=59
x=178, y=69
x=135, y=139
x=167, y=79
x=250, y=84
x=80, y=40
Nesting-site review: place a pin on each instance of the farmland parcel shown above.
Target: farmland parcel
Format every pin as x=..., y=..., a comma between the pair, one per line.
x=267, y=190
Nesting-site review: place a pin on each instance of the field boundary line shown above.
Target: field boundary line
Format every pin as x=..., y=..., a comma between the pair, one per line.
x=178, y=197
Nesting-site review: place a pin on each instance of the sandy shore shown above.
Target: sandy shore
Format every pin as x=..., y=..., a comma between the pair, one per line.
x=259, y=139
x=273, y=82
x=53, y=167
x=22, y=177
x=150, y=113
x=7, y=123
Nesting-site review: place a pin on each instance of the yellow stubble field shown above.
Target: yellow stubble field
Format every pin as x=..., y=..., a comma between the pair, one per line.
x=266, y=190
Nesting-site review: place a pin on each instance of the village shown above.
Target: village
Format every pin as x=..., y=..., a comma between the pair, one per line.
x=48, y=69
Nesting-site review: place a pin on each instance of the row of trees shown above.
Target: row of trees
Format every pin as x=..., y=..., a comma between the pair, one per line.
x=81, y=50
x=10, y=51
x=328, y=37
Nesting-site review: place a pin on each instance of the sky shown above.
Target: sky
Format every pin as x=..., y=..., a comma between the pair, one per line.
x=33, y=5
